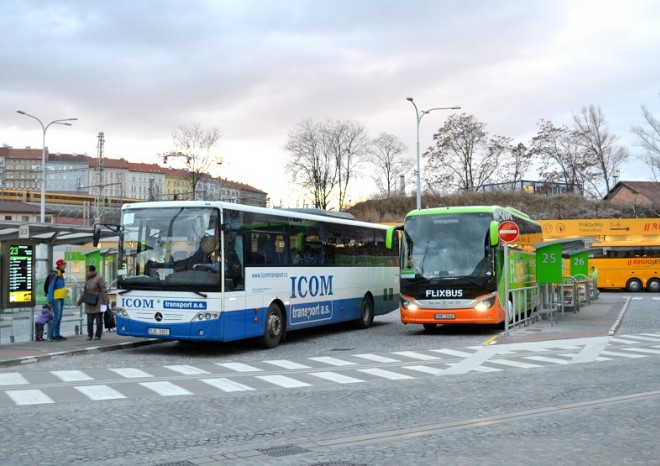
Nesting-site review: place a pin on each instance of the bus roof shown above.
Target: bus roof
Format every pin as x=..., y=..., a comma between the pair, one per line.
x=469, y=209
x=247, y=208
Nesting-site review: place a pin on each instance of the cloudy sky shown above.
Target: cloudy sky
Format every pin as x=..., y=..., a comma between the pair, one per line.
x=136, y=70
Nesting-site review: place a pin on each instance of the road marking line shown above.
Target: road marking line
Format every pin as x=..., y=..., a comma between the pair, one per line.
x=165, y=388
x=29, y=397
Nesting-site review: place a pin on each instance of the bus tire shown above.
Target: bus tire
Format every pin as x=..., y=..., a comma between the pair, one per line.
x=653, y=285
x=366, y=313
x=634, y=285
x=274, y=328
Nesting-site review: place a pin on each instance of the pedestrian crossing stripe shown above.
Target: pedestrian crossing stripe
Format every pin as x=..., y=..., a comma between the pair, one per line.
x=349, y=369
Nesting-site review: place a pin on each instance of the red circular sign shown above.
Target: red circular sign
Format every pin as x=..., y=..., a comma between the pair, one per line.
x=508, y=231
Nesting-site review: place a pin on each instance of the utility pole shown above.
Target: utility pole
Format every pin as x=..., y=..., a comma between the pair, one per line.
x=98, y=208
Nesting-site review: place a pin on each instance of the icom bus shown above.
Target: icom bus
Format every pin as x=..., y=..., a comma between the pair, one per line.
x=453, y=266
x=630, y=265
x=212, y=271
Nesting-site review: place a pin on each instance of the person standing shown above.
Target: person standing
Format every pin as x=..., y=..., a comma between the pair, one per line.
x=95, y=294
x=40, y=321
x=56, y=295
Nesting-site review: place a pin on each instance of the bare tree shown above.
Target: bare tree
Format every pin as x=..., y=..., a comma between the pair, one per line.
x=311, y=164
x=561, y=158
x=193, y=146
x=347, y=142
x=324, y=156
x=464, y=156
x=649, y=139
x=521, y=159
x=389, y=162
x=599, y=146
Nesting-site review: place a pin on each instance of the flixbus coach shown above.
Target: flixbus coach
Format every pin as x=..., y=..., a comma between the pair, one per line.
x=214, y=271
x=453, y=263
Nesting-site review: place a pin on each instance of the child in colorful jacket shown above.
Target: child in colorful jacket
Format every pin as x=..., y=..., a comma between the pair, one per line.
x=40, y=321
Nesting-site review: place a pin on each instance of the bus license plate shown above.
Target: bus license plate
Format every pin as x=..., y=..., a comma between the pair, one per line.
x=445, y=316
x=161, y=332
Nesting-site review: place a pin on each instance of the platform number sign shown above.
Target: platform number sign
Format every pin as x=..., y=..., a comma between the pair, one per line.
x=549, y=265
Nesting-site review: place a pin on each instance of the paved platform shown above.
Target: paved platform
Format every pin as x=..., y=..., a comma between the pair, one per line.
x=599, y=318
x=12, y=354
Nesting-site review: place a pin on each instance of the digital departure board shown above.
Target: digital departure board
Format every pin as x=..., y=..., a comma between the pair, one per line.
x=21, y=260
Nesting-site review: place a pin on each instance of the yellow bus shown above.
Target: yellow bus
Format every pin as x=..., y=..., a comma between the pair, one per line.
x=630, y=265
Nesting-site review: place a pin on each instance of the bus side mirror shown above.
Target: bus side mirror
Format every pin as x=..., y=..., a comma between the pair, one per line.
x=389, y=235
x=96, y=236
x=494, y=236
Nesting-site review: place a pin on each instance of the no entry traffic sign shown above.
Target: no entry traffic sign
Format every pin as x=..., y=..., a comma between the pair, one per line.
x=508, y=231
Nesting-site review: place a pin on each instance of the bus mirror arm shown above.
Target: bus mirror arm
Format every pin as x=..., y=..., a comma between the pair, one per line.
x=96, y=235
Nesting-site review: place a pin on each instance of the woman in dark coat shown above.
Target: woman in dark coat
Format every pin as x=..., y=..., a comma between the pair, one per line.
x=94, y=286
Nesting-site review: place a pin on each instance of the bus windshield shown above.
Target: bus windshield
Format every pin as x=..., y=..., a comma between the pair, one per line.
x=447, y=246
x=170, y=247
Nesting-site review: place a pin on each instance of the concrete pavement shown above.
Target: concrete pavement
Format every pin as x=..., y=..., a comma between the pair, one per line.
x=600, y=318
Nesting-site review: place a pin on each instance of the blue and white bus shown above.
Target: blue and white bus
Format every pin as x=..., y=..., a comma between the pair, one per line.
x=213, y=271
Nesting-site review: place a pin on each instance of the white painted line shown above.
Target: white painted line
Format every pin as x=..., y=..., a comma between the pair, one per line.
x=643, y=338
x=335, y=377
x=622, y=355
x=415, y=355
x=283, y=381
x=186, y=369
x=285, y=364
x=99, y=392
x=451, y=352
x=227, y=385
x=508, y=362
x=130, y=372
x=238, y=366
x=385, y=374
x=547, y=359
x=29, y=397
x=375, y=358
x=165, y=388
x=425, y=369
x=12, y=378
x=333, y=361
x=486, y=369
x=590, y=351
x=71, y=376
x=642, y=350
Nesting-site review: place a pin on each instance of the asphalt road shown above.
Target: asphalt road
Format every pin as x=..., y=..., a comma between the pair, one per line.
x=391, y=395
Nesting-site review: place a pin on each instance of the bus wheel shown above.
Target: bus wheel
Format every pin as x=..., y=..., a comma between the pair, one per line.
x=430, y=327
x=634, y=285
x=653, y=285
x=366, y=314
x=274, y=327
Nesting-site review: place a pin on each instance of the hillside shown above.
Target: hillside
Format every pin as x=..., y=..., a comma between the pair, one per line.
x=539, y=207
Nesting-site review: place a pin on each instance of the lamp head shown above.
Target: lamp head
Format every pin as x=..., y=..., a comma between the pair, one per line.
x=21, y=112
x=409, y=99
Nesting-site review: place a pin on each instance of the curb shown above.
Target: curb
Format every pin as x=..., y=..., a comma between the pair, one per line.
x=77, y=352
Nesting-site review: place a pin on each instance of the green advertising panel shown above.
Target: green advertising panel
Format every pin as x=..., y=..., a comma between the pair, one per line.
x=549, y=264
x=580, y=264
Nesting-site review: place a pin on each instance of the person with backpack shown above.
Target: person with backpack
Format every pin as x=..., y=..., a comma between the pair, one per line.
x=56, y=295
x=94, y=295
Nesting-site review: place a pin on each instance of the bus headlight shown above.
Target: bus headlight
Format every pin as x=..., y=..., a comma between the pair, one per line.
x=409, y=304
x=120, y=311
x=486, y=303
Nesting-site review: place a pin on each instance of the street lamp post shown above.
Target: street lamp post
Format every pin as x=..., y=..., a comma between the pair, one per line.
x=63, y=121
x=419, y=114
